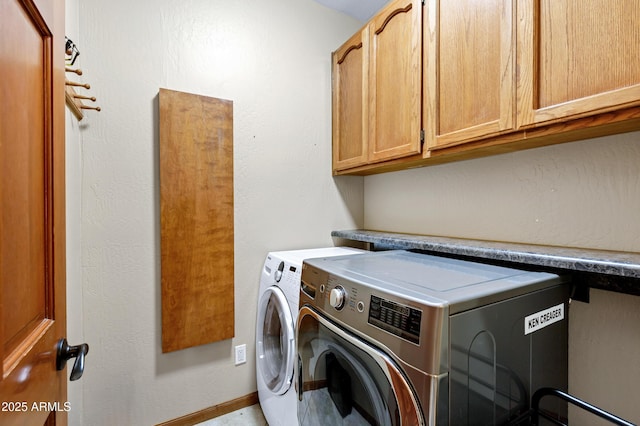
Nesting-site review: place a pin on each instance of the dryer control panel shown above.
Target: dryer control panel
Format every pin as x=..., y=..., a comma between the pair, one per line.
x=401, y=320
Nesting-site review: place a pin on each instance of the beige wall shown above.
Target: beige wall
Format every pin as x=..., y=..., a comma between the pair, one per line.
x=272, y=58
x=73, y=164
x=582, y=194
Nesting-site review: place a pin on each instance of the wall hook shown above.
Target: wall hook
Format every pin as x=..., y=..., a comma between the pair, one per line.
x=73, y=99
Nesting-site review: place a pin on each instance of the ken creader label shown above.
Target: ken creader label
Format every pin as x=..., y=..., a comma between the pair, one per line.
x=540, y=320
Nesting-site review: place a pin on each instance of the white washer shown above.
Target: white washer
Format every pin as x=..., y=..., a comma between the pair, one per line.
x=278, y=298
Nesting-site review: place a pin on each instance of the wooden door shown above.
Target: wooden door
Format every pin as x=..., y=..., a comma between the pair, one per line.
x=577, y=58
x=350, y=102
x=32, y=213
x=395, y=80
x=469, y=51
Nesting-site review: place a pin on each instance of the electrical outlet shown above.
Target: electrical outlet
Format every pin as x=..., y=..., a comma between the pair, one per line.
x=241, y=354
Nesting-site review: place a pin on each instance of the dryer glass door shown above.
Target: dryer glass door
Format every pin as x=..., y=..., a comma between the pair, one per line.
x=276, y=341
x=342, y=379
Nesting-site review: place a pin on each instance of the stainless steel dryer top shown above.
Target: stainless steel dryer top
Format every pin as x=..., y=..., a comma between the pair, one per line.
x=429, y=280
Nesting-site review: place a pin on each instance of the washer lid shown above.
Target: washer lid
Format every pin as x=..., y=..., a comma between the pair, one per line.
x=296, y=257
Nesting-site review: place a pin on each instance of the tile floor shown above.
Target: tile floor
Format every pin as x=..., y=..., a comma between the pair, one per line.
x=249, y=416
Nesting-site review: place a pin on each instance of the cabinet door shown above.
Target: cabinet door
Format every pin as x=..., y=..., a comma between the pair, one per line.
x=577, y=58
x=469, y=70
x=395, y=84
x=350, y=102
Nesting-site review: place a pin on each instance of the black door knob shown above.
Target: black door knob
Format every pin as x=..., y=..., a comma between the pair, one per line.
x=66, y=352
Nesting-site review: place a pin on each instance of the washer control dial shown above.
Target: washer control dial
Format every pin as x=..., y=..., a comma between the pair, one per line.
x=279, y=271
x=337, y=297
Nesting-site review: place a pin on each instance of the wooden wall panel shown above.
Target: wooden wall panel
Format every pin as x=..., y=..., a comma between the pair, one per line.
x=196, y=219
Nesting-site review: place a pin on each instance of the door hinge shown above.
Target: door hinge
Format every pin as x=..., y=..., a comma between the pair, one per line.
x=422, y=136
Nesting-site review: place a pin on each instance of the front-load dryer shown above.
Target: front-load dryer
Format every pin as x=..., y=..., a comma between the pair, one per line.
x=278, y=298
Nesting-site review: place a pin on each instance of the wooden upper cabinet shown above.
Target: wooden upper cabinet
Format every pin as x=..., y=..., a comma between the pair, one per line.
x=350, y=102
x=577, y=58
x=469, y=51
x=483, y=77
x=395, y=80
x=377, y=87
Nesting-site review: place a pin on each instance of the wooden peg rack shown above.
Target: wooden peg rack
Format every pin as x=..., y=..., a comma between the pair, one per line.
x=74, y=99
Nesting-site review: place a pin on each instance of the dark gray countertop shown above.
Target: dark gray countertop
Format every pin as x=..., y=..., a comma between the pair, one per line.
x=608, y=270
